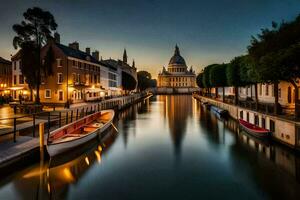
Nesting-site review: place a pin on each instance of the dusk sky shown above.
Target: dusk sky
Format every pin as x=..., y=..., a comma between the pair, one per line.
x=206, y=31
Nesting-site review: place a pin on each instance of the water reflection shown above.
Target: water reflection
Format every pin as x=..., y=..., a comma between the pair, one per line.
x=177, y=111
x=136, y=163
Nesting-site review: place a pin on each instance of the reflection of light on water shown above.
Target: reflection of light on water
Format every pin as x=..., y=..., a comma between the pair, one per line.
x=98, y=156
x=68, y=176
x=48, y=188
x=35, y=172
x=99, y=148
x=87, y=161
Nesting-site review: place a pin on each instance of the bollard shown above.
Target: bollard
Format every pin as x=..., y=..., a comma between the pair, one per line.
x=41, y=134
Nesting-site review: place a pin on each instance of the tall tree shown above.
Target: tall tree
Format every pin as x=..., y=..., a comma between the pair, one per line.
x=233, y=74
x=275, y=53
x=144, y=80
x=218, y=77
x=32, y=34
x=206, y=78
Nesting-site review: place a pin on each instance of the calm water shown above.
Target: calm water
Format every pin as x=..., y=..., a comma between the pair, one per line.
x=168, y=147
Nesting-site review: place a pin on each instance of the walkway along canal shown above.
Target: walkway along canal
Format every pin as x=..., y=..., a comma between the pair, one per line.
x=19, y=138
x=166, y=147
x=284, y=130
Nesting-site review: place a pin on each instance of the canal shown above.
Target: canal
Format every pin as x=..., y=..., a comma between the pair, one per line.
x=166, y=147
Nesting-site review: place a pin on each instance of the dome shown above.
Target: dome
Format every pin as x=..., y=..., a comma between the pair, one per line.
x=177, y=59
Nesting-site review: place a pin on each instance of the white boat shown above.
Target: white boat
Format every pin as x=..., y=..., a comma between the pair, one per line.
x=79, y=132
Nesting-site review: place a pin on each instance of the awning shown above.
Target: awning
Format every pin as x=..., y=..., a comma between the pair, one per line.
x=94, y=90
x=15, y=88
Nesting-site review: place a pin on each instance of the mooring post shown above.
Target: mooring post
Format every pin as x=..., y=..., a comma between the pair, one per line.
x=41, y=134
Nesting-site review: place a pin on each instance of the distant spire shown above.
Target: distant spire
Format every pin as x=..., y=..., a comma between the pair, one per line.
x=125, y=56
x=177, y=52
x=133, y=64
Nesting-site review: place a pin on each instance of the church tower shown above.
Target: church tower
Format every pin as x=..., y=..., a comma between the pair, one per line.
x=125, y=56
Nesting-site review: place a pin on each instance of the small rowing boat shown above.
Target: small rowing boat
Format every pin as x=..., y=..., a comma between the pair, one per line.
x=79, y=132
x=254, y=130
x=220, y=112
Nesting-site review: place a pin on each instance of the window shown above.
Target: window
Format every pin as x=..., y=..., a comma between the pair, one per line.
x=59, y=78
x=267, y=90
x=59, y=62
x=78, y=78
x=263, y=123
x=60, y=95
x=260, y=89
x=47, y=93
x=289, y=97
x=21, y=79
x=272, y=126
x=74, y=77
x=279, y=92
x=15, y=80
x=256, y=122
x=247, y=117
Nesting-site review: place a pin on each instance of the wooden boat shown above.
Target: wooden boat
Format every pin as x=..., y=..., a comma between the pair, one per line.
x=79, y=132
x=254, y=130
x=220, y=112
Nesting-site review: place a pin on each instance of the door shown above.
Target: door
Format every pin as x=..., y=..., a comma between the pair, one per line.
x=60, y=95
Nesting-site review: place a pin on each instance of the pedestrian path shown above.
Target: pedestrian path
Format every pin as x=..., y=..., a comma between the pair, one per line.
x=10, y=150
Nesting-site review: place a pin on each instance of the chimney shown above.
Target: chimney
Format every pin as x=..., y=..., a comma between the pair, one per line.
x=74, y=45
x=95, y=54
x=88, y=50
x=57, y=37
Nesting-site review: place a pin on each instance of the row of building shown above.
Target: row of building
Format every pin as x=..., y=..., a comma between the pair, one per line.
x=265, y=93
x=77, y=76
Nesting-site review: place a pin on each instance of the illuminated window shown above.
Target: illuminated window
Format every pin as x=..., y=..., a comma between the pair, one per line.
x=59, y=78
x=47, y=93
x=59, y=62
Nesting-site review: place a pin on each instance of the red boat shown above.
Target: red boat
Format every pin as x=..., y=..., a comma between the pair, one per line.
x=254, y=130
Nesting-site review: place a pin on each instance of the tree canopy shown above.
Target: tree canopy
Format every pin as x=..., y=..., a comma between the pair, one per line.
x=218, y=75
x=144, y=80
x=32, y=34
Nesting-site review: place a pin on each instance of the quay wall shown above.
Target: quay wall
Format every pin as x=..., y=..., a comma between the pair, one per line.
x=283, y=130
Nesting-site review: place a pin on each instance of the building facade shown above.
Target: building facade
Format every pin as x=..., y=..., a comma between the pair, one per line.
x=18, y=88
x=76, y=77
x=177, y=76
x=5, y=76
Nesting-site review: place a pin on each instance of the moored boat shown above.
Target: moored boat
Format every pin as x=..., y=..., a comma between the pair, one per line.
x=79, y=132
x=254, y=130
x=220, y=112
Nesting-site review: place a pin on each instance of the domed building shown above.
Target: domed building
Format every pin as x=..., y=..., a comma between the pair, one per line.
x=177, y=76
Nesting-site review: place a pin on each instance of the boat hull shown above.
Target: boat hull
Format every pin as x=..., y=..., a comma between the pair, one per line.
x=55, y=149
x=261, y=134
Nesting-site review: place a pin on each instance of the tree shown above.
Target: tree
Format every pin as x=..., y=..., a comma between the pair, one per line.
x=33, y=32
x=128, y=82
x=144, y=80
x=199, y=80
x=206, y=78
x=218, y=77
x=233, y=74
x=274, y=53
